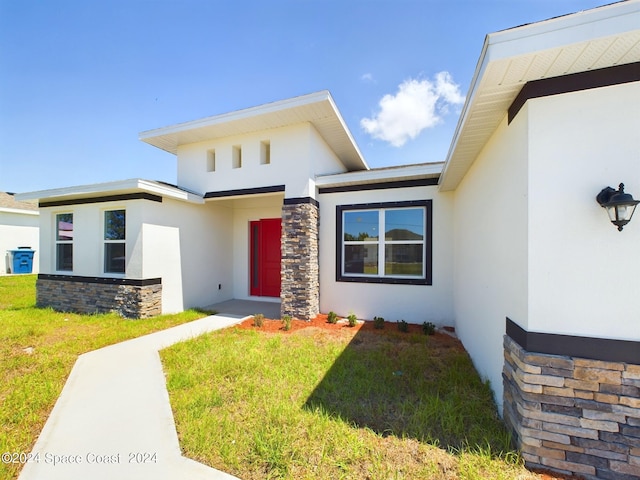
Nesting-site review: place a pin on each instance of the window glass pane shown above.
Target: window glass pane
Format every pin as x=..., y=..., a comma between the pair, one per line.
x=64, y=256
x=404, y=224
x=361, y=259
x=403, y=259
x=114, y=225
x=361, y=226
x=114, y=257
x=64, y=226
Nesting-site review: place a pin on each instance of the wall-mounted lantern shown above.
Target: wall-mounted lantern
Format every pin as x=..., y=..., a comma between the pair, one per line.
x=619, y=205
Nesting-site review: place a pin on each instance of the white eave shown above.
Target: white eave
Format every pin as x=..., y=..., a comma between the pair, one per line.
x=121, y=187
x=319, y=109
x=19, y=211
x=598, y=38
x=381, y=175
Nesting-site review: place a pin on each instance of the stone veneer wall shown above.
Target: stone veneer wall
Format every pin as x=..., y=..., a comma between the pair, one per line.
x=87, y=297
x=300, y=284
x=573, y=415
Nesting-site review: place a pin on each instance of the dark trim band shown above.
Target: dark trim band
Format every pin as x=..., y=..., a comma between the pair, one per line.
x=101, y=280
x=421, y=182
x=109, y=198
x=428, y=243
x=301, y=201
x=603, y=77
x=604, y=349
x=245, y=191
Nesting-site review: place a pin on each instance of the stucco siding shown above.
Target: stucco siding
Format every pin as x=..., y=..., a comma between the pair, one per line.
x=290, y=162
x=490, y=279
x=584, y=273
x=413, y=303
x=189, y=247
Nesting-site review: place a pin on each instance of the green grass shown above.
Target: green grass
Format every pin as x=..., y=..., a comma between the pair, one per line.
x=31, y=383
x=317, y=405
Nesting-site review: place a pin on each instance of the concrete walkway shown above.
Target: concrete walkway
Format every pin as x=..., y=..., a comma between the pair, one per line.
x=248, y=307
x=113, y=419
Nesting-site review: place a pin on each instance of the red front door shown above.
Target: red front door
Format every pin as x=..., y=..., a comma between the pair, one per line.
x=265, y=257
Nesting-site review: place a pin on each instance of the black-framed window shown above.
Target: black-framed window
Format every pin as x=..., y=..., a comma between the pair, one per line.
x=114, y=241
x=64, y=242
x=401, y=254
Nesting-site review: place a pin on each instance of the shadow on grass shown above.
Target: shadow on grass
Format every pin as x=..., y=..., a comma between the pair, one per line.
x=412, y=386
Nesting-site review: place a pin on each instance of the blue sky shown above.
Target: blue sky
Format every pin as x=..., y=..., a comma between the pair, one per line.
x=80, y=79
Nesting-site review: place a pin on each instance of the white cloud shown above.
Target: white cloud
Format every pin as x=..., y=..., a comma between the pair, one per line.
x=417, y=105
x=367, y=77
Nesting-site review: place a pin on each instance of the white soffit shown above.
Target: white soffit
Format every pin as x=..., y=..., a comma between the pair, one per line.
x=318, y=109
x=589, y=40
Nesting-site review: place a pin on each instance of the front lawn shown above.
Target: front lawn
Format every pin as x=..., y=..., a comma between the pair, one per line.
x=38, y=348
x=347, y=403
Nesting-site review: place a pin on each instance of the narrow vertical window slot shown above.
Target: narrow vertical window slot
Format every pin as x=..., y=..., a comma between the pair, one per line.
x=236, y=158
x=265, y=152
x=211, y=160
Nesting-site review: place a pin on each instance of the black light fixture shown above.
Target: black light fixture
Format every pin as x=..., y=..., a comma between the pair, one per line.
x=619, y=205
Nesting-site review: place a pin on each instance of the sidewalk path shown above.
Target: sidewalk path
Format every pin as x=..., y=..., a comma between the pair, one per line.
x=113, y=419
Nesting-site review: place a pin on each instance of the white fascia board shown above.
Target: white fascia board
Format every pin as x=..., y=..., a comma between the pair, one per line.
x=475, y=82
x=19, y=211
x=169, y=191
x=346, y=130
x=544, y=35
x=112, y=188
x=237, y=115
x=583, y=26
x=380, y=175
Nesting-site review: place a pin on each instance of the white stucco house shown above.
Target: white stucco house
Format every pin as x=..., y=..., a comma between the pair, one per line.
x=19, y=229
x=504, y=240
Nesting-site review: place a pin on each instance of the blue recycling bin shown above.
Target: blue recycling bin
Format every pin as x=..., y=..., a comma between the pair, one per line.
x=22, y=260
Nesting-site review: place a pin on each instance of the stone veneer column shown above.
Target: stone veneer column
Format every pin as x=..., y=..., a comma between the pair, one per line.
x=573, y=415
x=299, y=272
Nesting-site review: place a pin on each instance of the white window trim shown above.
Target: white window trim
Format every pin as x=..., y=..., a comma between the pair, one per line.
x=62, y=242
x=105, y=241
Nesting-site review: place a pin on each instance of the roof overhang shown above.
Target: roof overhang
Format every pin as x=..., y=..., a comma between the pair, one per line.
x=381, y=175
x=19, y=211
x=109, y=189
x=319, y=109
x=598, y=38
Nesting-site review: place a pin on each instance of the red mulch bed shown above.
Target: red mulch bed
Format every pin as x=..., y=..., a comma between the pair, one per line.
x=342, y=327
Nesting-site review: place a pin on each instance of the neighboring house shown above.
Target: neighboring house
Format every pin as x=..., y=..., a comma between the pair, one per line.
x=19, y=227
x=504, y=241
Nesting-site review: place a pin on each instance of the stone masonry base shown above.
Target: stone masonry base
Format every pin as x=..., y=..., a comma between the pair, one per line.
x=299, y=275
x=573, y=415
x=87, y=297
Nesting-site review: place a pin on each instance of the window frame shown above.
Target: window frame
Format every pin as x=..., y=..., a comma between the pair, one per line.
x=106, y=242
x=59, y=242
x=381, y=277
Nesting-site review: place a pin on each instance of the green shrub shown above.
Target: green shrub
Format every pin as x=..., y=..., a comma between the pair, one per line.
x=403, y=326
x=353, y=320
x=428, y=328
x=286, y=322
x=258, y=320
x=378, y=323
x=332, y=317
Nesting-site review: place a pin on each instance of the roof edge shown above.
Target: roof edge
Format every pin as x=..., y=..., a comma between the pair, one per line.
x=239, y=114
x=97, y=189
